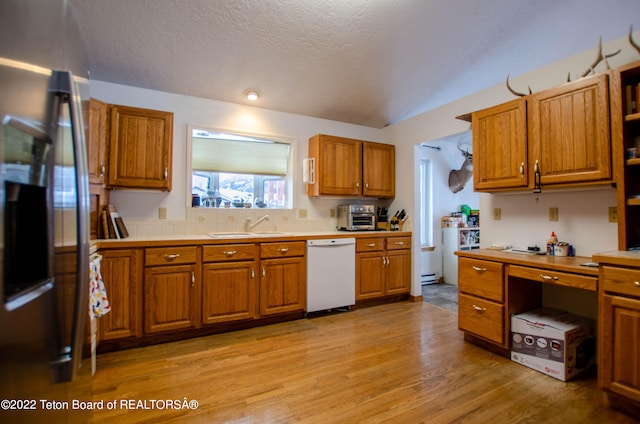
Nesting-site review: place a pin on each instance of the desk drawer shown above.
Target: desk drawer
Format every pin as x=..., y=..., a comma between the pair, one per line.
x=481, y=278
x=553, y=277
x=481, y=318
x=621, y=280
x=170, y=255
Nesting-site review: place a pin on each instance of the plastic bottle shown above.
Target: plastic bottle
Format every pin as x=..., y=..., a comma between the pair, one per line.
x=551, y=242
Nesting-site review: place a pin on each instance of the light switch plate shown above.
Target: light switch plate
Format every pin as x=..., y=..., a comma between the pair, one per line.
x=613, y=214
x=497, y=214
x=553, y=214
x=162, y=213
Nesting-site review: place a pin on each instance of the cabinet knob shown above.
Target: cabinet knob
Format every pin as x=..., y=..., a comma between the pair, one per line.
x=400, y=243
x=536, y=166
x=283, y=250
x=193, y=278
x=102, y=170
x=166, y=173
x=478, y=269
x=357, y=184
x=479, y=308
x=229, y=253
x=548, y=277
x=172, y=257
x=636, y=283
x=371, y=245
x=521, y=169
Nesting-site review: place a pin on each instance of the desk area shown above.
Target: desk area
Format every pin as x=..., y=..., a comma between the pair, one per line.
x=494, y=285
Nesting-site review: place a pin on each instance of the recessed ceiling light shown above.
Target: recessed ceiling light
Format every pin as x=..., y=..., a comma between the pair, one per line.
x=252, y=95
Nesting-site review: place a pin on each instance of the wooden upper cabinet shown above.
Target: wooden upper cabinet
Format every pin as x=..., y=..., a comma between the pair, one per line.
x=500, y=146
x=140, y=148
x=569, y=132
x=562, y=133
x=352, y=168
x=97, y=141
x=338, y=166
x=378, y=169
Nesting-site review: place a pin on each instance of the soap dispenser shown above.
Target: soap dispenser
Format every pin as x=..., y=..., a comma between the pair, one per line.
x=551, y=243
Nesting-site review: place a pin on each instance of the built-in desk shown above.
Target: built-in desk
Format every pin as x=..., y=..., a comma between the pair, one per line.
x=493, y=285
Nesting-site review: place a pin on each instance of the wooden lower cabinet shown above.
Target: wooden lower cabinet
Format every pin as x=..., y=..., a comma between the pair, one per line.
x=383, y=267
x=171, y=292
x=122, y=276
x=229, y=283
x=481, y=300
x=619, y=333
x=283, y=273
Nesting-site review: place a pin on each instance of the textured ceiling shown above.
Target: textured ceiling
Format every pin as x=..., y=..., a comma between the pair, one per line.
x=368, y=62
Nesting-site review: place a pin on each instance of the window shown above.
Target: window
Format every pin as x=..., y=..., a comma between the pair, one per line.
x=237, y=170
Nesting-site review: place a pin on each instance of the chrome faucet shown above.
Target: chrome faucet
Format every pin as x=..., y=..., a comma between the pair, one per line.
x=249, y=226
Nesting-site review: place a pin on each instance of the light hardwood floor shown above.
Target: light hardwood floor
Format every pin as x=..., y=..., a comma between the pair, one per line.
x=396, y=363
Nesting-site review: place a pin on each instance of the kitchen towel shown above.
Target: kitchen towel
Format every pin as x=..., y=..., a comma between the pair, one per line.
x=98, y=301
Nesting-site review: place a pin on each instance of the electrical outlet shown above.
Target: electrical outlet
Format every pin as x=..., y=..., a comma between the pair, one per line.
x=613, y=214
x=332, y=213
x=553, y=214
x=497, y=214
x=302, y=213
x=162, y=213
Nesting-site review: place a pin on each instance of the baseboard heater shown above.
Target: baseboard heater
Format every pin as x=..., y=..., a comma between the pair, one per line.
x=428, y=279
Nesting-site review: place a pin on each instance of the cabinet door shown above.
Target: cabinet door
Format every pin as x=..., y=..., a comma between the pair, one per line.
x=338, y=166
x=97, y=141
x=379, y=169
x=140, y=148
x=619, y=341
x=122, y=275
x=398, y=271
x=170, y=298
x=500, y=146
x=229, y=291
x=370, y=275
x=569, y=132
x=282, y=285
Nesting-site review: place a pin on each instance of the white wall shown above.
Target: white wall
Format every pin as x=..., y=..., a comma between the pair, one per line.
x=140, y=208
x=583, y=218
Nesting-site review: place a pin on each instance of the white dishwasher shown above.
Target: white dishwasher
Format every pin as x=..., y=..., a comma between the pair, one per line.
x=331, y=273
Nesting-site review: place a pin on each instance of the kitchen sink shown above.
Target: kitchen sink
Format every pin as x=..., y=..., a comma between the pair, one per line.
x=237, y=234
x=229, y=234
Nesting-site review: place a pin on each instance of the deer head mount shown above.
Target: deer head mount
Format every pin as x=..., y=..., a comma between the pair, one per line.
x=459, y=177
x=601, y=57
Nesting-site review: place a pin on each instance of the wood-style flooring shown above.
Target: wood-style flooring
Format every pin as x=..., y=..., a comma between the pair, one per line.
x=404, y=362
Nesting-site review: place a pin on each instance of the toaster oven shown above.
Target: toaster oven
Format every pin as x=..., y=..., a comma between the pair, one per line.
x=356, y=218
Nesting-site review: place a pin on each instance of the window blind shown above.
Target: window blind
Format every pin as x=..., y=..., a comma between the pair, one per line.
x=242, y=157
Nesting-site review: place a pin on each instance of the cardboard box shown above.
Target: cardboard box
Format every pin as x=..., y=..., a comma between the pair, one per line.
x=553, y=342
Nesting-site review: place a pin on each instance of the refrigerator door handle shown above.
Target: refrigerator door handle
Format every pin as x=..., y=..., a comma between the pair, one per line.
x=64, y=86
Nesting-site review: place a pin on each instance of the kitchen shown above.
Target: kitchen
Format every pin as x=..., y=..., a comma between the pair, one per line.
x=140, y=209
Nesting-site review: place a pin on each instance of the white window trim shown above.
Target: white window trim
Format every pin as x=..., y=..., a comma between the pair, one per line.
x=292, y=180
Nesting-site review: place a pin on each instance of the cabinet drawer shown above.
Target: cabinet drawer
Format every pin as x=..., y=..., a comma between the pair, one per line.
x=481, y=278
x=282, y=249
x=170, y=255
x=621, y=280
x=369, y=244
x=396, y=243
x=481, y=317
x=230, y=252
x=553, y=277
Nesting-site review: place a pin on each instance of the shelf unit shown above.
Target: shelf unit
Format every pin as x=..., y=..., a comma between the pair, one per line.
x=625, y=133
x=454, y=239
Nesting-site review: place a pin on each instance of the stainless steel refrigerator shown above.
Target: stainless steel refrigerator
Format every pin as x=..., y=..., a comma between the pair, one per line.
x=44, y=207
